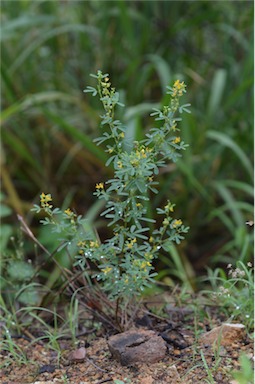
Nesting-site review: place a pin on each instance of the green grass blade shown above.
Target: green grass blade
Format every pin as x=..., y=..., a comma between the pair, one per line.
x=217, y=89
x=20, y=148
x=91, y=31
x=186, y=169
x=163, y=70
x=230, y=201
x=181, y=268
x=12, y=28
x=229, y=143
x=77, y=135
x=240, y=186
x=33, y=100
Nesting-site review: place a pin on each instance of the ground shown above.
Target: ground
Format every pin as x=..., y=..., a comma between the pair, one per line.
x=186, y=360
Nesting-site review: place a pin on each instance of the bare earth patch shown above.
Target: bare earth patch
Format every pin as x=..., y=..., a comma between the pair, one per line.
x=94, y=363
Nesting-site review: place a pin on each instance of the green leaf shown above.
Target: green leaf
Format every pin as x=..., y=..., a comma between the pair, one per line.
x=20, y=270
x=217, y=89
x=227, y=141
x=77, y=135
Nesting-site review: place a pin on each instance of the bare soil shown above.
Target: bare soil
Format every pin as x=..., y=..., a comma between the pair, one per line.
x=182, y=364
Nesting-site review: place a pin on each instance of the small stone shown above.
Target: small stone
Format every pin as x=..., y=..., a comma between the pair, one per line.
x=147, y=380
x=47, y=368
x=177, y=352
x=226, y=334
x=172, y=373
x=77, y=355
x=137, y=346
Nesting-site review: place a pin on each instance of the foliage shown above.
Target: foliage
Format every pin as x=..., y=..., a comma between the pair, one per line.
x=48, y=124
x=126, y=381
x=124, y=261
x=6, y=229
x=246, y=373
x=235, y=292
x=16, y=271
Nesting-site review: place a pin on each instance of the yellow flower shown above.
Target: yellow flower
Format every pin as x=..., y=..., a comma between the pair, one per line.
x=131, y=243
x=105, y=82
x=122, y=135
x=71, y=215
x=106, y=270
x=177, y=84
x=143, y=153
x=176, y=223
x=100, y=186
x=148, y=256
x=169, y=207
x=81, y=243
x=94, y=244
x=45, y=199
x=179, y=88
x=120, y=165
x=176, y=140
x=145, y=264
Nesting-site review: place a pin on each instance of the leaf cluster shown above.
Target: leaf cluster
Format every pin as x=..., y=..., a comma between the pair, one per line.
x=124, y=261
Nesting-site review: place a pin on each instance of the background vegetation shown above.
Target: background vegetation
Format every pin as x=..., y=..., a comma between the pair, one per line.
x=49, y=48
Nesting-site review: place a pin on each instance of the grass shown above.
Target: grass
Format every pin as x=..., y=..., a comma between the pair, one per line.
x=208, y=362
x=246, y=373
x=51, y=99
x=234, y=291
x=48, y=125
x=15, y=352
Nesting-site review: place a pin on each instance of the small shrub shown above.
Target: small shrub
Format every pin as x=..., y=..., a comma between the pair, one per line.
x=124, y=262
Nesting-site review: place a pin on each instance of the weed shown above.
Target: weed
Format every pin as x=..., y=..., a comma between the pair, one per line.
x=48, y=126
x=235, y=291
x=208, y=370
x=15, y=352
x=16, y=271
x=6, y=229
x=246, y=373
x=72, y=314
x=124, y=261
x=65, y=379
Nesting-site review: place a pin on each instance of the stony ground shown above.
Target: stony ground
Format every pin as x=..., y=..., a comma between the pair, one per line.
x=183, y=362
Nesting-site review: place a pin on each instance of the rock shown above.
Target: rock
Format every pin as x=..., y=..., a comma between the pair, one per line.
x=174, y=338
x=137, y=346
x=47, y=368
x=226, y=334
x=77, y=355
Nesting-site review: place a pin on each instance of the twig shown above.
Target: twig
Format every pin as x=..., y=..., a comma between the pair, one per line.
x=116, y=315
x=28, y=231
x=96, y=366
